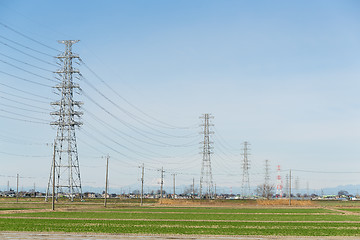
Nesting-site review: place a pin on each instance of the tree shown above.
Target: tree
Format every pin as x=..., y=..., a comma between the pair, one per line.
x=265, y=190
x=343, y=193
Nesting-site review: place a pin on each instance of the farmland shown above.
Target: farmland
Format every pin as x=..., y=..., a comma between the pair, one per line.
x=319, y=219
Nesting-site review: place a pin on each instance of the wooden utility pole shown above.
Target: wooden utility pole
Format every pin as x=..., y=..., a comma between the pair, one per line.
x=174, y=184
x=200, y=190
x=106, y=180
x=215, y=192
x=142, y=184
x=193, y=189
x=162, y=182
x=290, y=188
x=17, y=187
x=53, y=182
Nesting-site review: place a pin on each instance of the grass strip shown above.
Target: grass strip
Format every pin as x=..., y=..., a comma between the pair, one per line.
x=351, y=209
x=176, y=227
x=185, y=216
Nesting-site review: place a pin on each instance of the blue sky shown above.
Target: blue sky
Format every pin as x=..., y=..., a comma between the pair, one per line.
x=282, y=75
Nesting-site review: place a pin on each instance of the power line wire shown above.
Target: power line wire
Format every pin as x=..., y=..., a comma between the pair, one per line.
x=128, y=102
x=25, y=98
x=25, y=80
x=25, y=36
x=24, y=109
x=20, y=61
x=29, y=55
x=21, y=155
x=21, y=45
x=138, y=119
x=135, y=129
x=23, y=120
x=21, y=115
x=22, y=69
x=30, y=93
x=25, y=104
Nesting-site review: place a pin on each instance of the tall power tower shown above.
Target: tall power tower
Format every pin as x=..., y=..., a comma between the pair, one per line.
x=267, y=173
x=245, y=183
x=279, y=184
x=206, y=181
x=65, y=178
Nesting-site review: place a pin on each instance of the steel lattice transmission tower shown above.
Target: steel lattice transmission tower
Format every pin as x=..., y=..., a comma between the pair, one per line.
x=279, y=184
x=245, y=183
x=206, y=181
x=66, y=175
x=267, y=172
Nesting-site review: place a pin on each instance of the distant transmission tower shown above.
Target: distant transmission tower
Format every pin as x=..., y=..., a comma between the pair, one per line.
x=206, y=181
x=267, y=172
x=65, y=160
x=279, y=184
x=286, y=187
x=245, y=184
x=297, y=184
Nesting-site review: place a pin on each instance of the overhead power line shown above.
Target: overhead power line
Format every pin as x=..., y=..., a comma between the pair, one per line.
x=24, y=120
x=21, y=155
x=122, y=134
x=21, y=115
x=315, y=171
x=29, y=55
x=135, y=129
x=20, y=61
x=138, y=119
x=21, y=45
x=25, y=80
x=24, y=109
x=30, y=38
x=20, y=90
x=30, y=99
x=25, y=104
x=22, y=69
x=132, y=105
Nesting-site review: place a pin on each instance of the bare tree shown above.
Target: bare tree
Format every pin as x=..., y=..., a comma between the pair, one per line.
x=265, y=190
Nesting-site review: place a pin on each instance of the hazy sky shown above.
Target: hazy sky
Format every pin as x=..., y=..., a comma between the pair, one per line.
x=282, y=75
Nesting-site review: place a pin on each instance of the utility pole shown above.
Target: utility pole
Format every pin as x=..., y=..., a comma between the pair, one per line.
x=290, y=187
x=174, y=184
x=215, y=192
x=68, y=119
x=106, y=179
x=17, y=187
x=142, y=184
x=206, y=179
x=193, y=189
x=53, y=181
x=286, y=187
x=245, y=167
x=161, y=183
x=8, y=185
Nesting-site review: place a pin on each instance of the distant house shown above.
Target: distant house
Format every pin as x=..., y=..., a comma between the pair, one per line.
x=10, y=193
x=89, y=195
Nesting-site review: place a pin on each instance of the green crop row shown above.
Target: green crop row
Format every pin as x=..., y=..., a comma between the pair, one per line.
x=351, y=209
x=180, y=227
x=191, y=216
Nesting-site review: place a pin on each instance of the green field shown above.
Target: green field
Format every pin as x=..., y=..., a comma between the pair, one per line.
x=128, y=218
